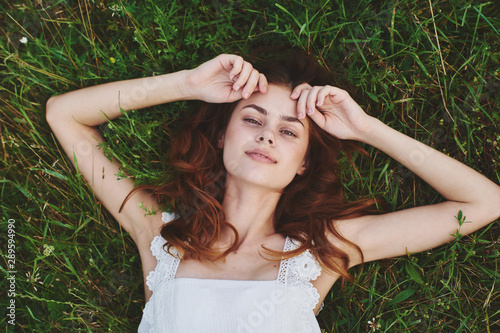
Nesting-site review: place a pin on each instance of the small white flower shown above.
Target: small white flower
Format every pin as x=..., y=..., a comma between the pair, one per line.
x=34, y=278
x=24, y=40
x=374, y=325
x=116, y=9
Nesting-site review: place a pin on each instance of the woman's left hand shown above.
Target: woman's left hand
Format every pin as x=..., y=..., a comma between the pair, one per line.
x=333, y=110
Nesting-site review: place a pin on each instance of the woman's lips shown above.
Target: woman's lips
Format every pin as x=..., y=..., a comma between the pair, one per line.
x=261, y=156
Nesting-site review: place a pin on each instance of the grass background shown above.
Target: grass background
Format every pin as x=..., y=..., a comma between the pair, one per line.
x=430, y=69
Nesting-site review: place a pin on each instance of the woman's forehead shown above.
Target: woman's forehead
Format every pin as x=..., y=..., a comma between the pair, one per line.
x=276, y=101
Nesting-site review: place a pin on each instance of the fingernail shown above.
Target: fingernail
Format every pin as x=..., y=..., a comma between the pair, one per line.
x=293, y=95
x=301, y=115
x=237, y=88
x=245, y=95
x=309, y=111
x=318, y=102
x=231, y=77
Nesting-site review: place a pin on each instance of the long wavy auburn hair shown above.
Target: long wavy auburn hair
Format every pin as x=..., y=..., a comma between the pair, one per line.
x=196, y=191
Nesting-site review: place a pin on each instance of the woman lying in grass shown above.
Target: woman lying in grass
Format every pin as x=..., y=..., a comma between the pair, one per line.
x=260, y=230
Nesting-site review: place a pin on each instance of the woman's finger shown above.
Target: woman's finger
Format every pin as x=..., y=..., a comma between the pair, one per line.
x=298, y=90
x=262, y=83
x=246, y=70
x=322, y=94
x=301, y=103
x=237, y=63
x=250, y=84
x=311, y=100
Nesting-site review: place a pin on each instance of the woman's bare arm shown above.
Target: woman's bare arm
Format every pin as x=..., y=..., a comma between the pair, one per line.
x=421, y=228
x=73, y=117
x=411, y=230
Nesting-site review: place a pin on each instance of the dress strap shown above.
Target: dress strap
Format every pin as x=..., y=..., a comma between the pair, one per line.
x=296, y=293
x=160, y=281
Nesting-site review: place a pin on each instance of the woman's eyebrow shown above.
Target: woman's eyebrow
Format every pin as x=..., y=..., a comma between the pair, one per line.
x=264, y=112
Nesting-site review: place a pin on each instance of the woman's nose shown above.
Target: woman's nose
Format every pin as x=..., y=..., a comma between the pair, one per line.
x=265, y=136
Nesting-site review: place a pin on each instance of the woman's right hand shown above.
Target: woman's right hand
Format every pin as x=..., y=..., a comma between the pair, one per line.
x=224, y=79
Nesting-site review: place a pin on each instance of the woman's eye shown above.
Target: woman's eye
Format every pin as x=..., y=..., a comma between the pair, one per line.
x=289, y=133
x=252, y=121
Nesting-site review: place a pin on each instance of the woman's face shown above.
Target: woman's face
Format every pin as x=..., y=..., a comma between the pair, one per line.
x=264, y=143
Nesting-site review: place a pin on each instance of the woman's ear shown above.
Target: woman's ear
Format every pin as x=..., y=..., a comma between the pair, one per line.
x=220, y=140
x=303, y=167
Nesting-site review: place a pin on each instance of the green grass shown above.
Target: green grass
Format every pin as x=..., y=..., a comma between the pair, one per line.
x=431, y=74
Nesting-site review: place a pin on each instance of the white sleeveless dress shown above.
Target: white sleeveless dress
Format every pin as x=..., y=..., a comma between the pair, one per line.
x=185, y=305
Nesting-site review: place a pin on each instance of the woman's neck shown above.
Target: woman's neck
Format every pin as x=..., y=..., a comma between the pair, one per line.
x=250, y=209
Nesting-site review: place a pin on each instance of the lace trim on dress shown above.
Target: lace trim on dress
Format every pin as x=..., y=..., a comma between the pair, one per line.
x=161, y=298
x=167, y=217
x=158, y=252
x=295, y=277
